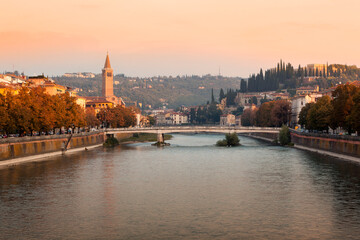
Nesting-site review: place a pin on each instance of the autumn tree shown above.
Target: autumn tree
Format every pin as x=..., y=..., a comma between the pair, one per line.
x=90, y=117
x=34, y=110
x=354, y=117
x=303, y=114
x=280, y=113
x=42, y=110
x=248, y=118
x=20, y=112
x=342, y=104
x=117, y=117
x=4, y=115
x=263, y=115
x=318, y=116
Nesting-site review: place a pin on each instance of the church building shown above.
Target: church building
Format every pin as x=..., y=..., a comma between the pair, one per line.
x=108, y=84
x=108, y=99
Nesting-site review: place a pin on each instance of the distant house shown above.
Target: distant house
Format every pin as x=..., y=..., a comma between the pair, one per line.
x=243, y=99
x=328, y=92
x=160, y=118
x=298, y=102
x=53, y=89
x=307, y=90
x=227, y=120
x=171, y=118
x=278, y=96
x=38, y=80
x=178, y=118
x=79, y=75
x=250, y=106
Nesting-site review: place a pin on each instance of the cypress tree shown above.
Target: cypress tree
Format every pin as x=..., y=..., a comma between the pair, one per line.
x=299, y=71
x=221, y=95
x=243, y=86
x=212, y=96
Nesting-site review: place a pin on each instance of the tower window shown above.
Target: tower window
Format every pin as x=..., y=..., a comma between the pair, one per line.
x=109, y=74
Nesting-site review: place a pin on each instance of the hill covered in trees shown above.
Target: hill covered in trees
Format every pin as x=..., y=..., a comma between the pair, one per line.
x=286, y=76
x=195, y=90
x=156, y=91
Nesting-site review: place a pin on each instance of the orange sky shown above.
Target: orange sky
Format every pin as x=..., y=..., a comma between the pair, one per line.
x=172, y=37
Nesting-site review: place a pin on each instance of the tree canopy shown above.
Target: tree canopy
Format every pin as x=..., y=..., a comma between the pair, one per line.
x=342, y=111
x=35, y=110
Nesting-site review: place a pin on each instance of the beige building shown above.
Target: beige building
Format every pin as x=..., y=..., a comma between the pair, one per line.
x=53, y=89
x=307, y=90
x=320, y=68
x=242, y=99
x=98, y=103
x=81, y=101
x=178, y=118
x=227, y=120
x=298, y=102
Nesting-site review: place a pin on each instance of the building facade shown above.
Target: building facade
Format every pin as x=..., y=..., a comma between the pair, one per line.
x=227, y=120
x=298, y=102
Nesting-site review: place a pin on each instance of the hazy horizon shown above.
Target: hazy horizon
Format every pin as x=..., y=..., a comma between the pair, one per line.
x=159, y=37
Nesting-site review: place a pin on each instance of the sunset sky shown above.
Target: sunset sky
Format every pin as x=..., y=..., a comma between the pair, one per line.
x=175, y=37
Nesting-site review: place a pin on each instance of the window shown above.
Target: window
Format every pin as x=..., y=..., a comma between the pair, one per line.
x=109, y=74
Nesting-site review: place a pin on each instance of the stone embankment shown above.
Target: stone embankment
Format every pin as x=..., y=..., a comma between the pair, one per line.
x=27, y=146
x=338, y=144
x=269, y=137
x=11, y=148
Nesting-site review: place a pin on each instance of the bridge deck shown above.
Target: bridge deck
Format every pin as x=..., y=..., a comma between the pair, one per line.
x=194, y=129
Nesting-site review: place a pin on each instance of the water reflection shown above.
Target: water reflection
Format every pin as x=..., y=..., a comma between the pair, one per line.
x=339, y=179
x=191, y=190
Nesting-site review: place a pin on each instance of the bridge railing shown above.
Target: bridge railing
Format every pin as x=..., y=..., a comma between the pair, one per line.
x=200, y=128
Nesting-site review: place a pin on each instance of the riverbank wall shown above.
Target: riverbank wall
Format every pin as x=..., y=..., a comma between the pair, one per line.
x=27, y=146
x=346, y=145
x=11, y=148
x=269, y=137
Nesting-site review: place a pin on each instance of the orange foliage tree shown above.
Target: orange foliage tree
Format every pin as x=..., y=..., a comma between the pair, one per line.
x=90, y=117
x=117, y=117
x=273, y=114
x=35, y=110
x=248, y=118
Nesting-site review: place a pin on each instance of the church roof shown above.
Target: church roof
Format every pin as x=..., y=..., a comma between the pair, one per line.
x=96, y=100
x=107, y=62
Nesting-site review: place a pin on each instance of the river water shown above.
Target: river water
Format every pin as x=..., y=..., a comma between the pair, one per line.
x=190, y=190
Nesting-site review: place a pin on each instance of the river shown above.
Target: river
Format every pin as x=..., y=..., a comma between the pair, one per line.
x=190, y=190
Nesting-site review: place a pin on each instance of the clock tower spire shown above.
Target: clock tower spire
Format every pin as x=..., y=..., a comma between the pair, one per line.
x=107, y=79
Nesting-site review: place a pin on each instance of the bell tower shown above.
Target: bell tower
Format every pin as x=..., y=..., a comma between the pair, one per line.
x=107, y=79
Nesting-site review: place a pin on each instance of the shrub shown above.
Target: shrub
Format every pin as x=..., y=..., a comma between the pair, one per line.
x=111, y=142
x=284, y=136
x=231, y=139
x=221, y=143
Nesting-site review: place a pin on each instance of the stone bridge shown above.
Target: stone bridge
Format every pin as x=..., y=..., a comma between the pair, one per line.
x=160, y=131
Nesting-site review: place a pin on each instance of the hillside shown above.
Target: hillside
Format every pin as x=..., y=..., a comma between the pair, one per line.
x=156, y=91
